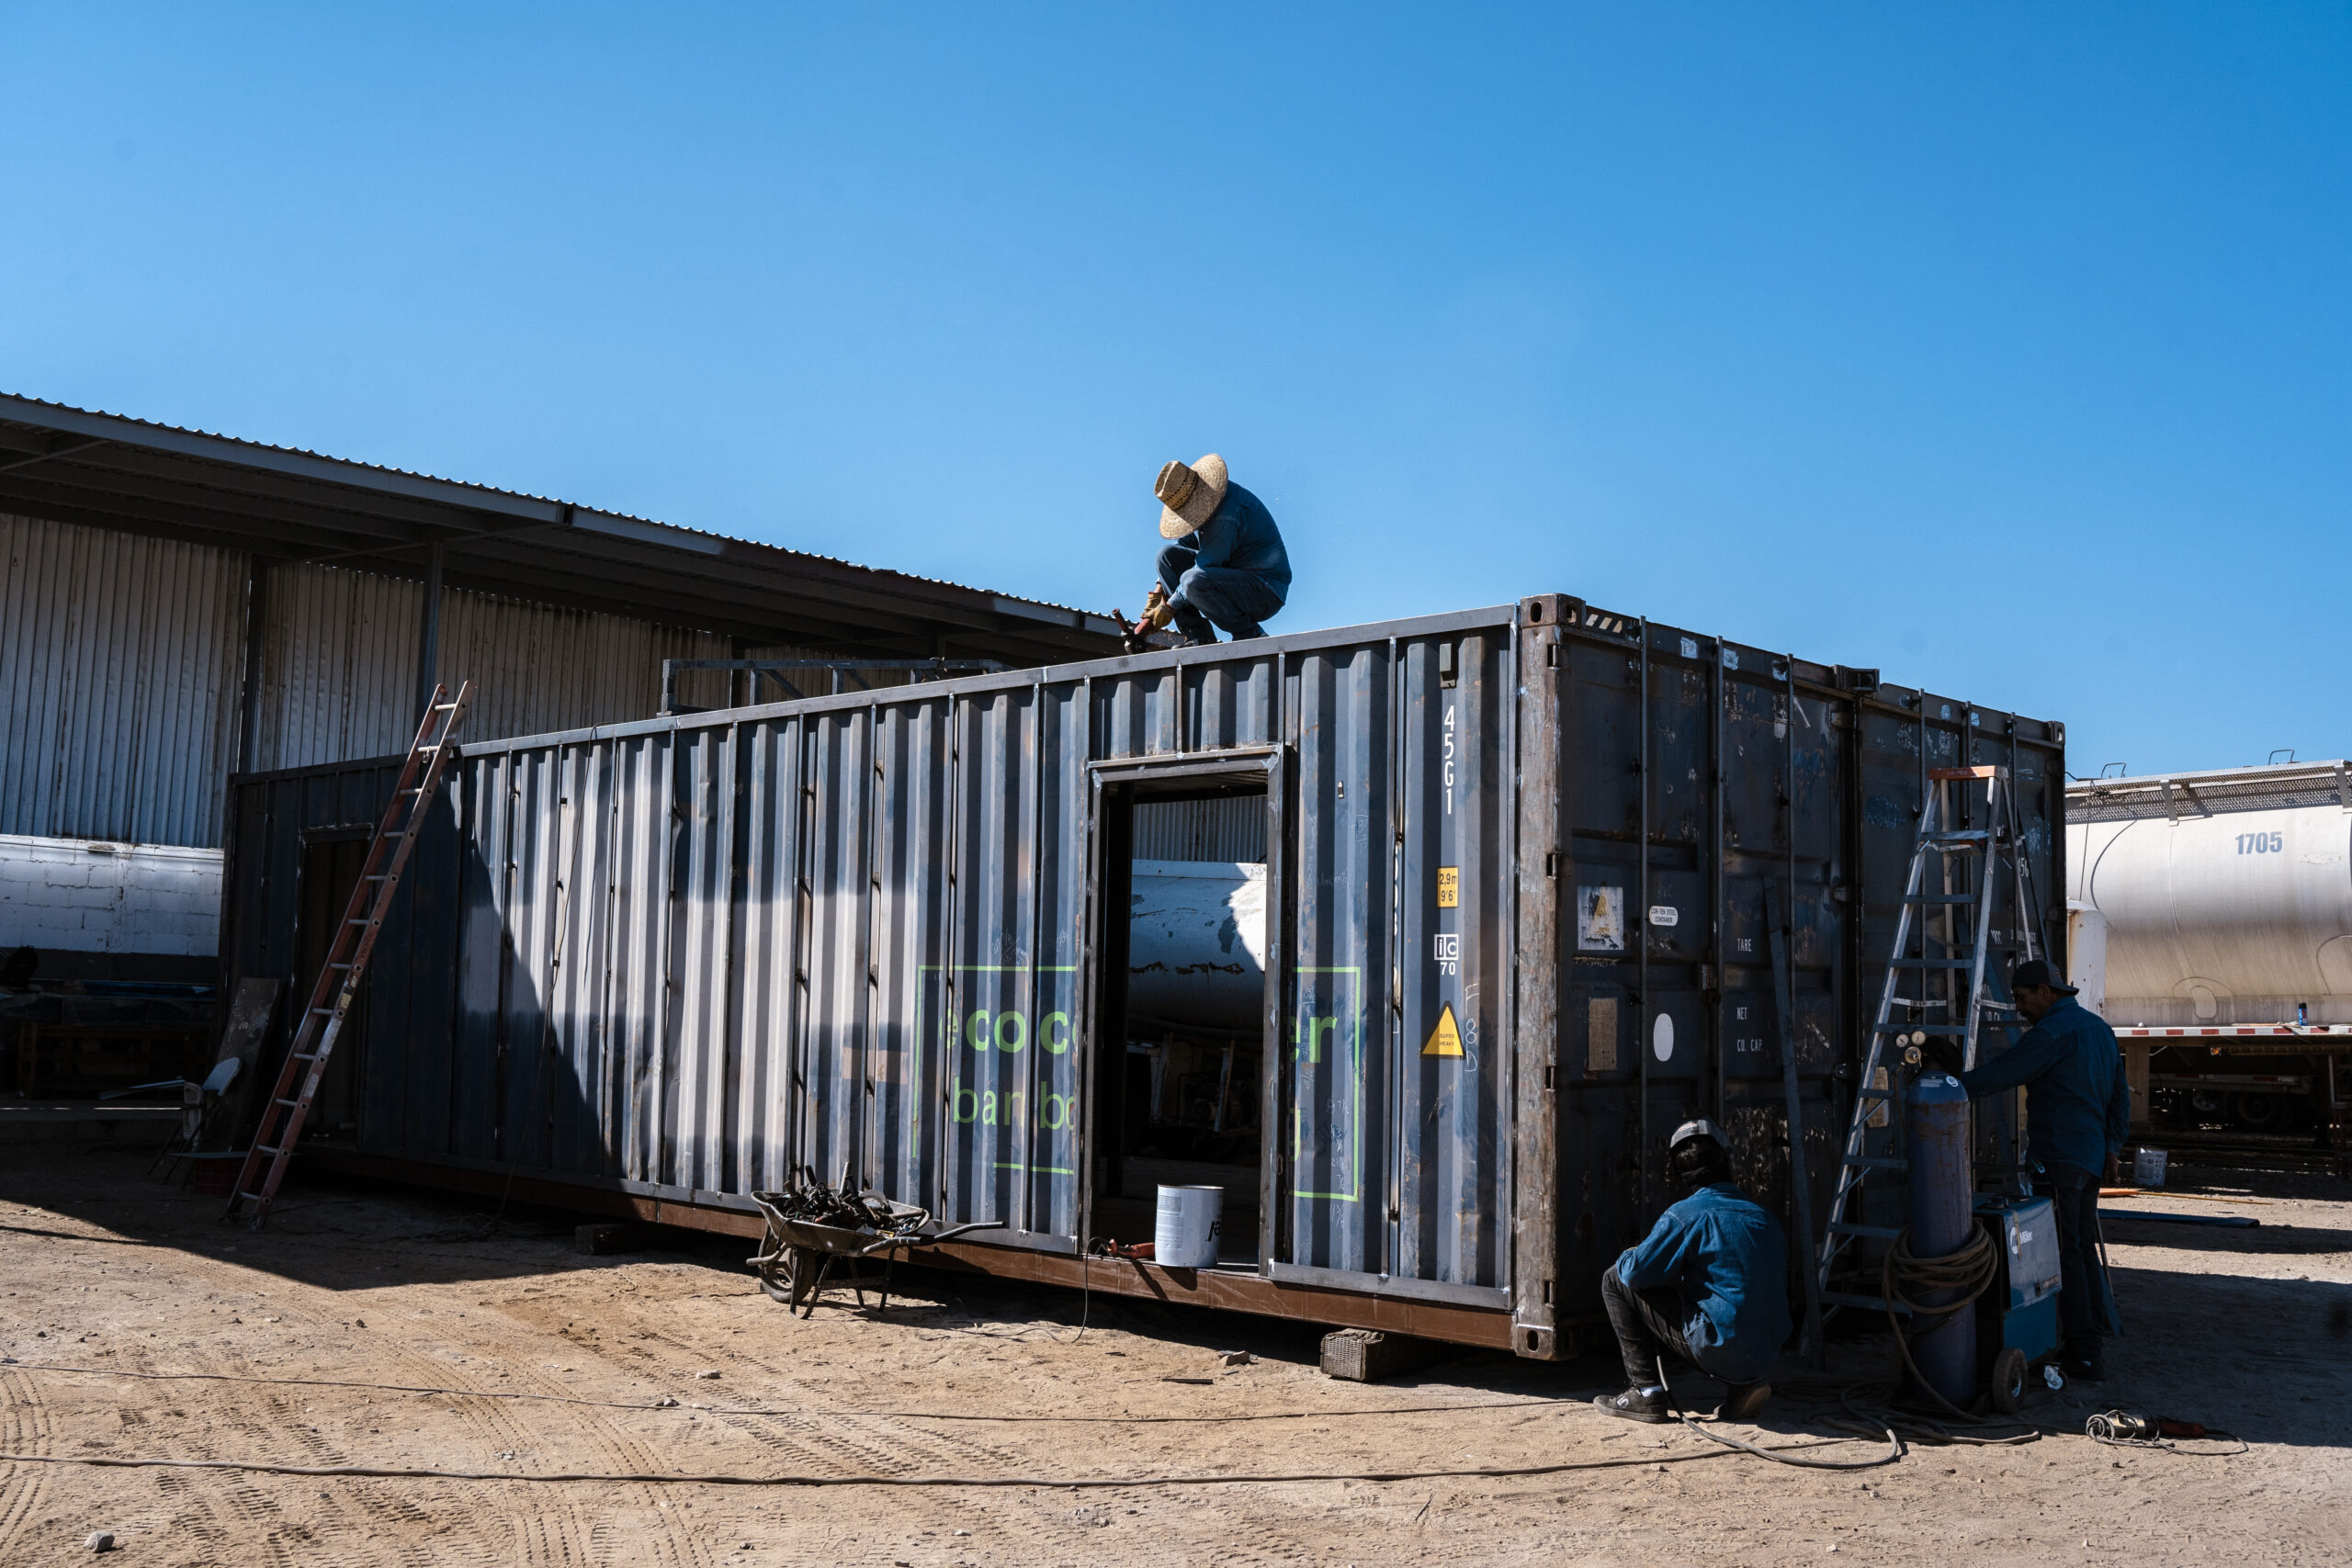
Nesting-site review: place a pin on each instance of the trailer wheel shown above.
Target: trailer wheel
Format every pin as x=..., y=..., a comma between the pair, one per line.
x=2257, y=1112
x=2008, y=1380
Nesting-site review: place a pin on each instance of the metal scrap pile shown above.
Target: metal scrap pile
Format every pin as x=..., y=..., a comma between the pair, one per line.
x=811, y=1201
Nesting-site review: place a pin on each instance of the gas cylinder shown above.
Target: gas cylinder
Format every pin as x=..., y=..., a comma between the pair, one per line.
x=1943, y=1220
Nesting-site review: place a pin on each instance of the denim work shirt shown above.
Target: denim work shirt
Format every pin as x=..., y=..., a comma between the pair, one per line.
x=2079, y=1104
x=1240, y=535
x=1724, y=1254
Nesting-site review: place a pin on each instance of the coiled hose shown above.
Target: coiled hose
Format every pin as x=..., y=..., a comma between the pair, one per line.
x=1904, y=1279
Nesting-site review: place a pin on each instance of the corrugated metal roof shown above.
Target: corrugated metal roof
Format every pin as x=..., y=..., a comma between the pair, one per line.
x=73, y=443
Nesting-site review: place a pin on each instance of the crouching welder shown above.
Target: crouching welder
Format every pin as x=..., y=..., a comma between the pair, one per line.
x=1709, y=1284
x=1226, y=566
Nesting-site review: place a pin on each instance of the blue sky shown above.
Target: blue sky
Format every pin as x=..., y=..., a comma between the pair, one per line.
x=2005, y=347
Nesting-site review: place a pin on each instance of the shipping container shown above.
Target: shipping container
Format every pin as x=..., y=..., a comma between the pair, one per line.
x=1513, y=870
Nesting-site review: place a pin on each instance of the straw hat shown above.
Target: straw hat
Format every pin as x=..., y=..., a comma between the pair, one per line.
x=1189, y=496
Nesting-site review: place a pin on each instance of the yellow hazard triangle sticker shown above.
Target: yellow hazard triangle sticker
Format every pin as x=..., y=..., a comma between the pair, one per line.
x=1445, y=1040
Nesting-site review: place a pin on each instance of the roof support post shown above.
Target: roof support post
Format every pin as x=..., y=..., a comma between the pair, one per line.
x=428, y=642
x=249, y=695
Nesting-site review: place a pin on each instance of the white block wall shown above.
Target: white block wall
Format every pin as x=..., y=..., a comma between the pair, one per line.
x=77, y=896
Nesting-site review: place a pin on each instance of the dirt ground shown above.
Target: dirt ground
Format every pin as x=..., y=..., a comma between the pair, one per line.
x=384, y=1293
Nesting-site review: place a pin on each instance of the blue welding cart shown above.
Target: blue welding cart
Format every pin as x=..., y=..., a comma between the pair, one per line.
x=2017, y=1318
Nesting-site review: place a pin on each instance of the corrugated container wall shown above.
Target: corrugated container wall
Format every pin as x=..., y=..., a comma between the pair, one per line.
x=119, y=663
x=1522, y=861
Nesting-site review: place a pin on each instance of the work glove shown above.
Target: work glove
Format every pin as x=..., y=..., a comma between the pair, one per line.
x=1156, y=612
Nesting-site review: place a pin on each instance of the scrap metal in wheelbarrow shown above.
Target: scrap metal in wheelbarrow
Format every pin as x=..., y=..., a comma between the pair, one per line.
x=812, y=1226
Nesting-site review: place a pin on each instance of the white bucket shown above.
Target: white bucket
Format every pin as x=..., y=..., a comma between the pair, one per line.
x=1184, y=1235
x=2148, y=1168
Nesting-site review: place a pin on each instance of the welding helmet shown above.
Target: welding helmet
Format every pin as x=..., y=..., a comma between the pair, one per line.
x=1696, y=1154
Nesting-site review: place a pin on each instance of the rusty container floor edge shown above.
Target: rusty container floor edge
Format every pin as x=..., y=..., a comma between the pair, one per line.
x=1226, y=1290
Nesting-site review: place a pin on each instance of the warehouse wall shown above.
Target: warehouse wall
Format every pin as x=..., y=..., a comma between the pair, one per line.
x=121, y=664
x=342, y=663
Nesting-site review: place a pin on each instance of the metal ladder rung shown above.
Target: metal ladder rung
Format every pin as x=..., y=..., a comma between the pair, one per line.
x=285, y=1102
x=1939, y=899
x=1919, y=1029
x=1933, y=964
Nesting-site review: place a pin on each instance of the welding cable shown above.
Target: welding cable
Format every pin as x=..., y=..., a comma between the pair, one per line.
x=1967, y=1272
x=729, y=1410
x=1894, y=1443
x=682, y=1478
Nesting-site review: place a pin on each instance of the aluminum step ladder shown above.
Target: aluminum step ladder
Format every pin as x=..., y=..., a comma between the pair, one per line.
x=346, y=963
x=1967, y=850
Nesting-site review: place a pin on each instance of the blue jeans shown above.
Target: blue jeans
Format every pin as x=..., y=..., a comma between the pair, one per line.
x=2081, y=1283
x=1216, y=597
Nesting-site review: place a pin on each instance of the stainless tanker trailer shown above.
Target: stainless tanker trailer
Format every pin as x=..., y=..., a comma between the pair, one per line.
x=2210, y=919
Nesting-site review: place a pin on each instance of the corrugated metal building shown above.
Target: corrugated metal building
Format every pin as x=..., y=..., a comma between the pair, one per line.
x=177, y=606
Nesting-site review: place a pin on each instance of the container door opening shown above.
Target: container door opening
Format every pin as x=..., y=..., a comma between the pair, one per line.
x=1181, y=1081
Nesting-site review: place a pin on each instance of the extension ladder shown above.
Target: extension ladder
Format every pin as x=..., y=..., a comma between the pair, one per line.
x=1956, y=870
x=338, y=982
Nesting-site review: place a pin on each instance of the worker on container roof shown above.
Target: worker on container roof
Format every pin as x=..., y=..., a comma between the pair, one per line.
x=1709, y=1284
x=2078, y=1109
x=1225, y=566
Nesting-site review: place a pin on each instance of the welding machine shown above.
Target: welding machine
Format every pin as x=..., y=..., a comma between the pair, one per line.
x=2017, y=1317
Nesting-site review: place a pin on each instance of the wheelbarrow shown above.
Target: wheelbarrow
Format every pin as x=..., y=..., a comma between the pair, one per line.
x=798, y=1255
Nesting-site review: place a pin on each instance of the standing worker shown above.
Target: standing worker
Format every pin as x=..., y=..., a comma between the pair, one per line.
x=1226, y=567
x=2078, y=1108
x=1709, y=1284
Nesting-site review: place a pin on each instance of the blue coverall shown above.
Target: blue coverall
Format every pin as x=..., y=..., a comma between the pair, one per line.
x=1710, y=1283
x=1231, y=571
x=2078, y=1112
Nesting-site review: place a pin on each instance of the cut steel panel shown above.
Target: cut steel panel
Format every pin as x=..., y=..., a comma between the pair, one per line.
x=909, y=1048
x=1338, y=1098
x=1450, y=1190
x=1058, y=862
x=766, y=933
x=836, y=803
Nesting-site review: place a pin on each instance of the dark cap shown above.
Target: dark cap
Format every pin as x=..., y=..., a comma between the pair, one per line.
x=2034, y=972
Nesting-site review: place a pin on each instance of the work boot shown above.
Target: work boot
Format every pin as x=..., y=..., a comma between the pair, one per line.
x=1637, y=1404
x=2081, y=1369
x=1745, y=1401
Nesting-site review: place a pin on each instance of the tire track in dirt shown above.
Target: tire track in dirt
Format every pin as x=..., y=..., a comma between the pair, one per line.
x=24, y=1429
x=609, y=1448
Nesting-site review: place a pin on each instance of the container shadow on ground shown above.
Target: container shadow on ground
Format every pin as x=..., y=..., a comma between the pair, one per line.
x=2265, y=1358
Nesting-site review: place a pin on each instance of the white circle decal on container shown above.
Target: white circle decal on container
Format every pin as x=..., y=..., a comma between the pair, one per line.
x=1662, y=1037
